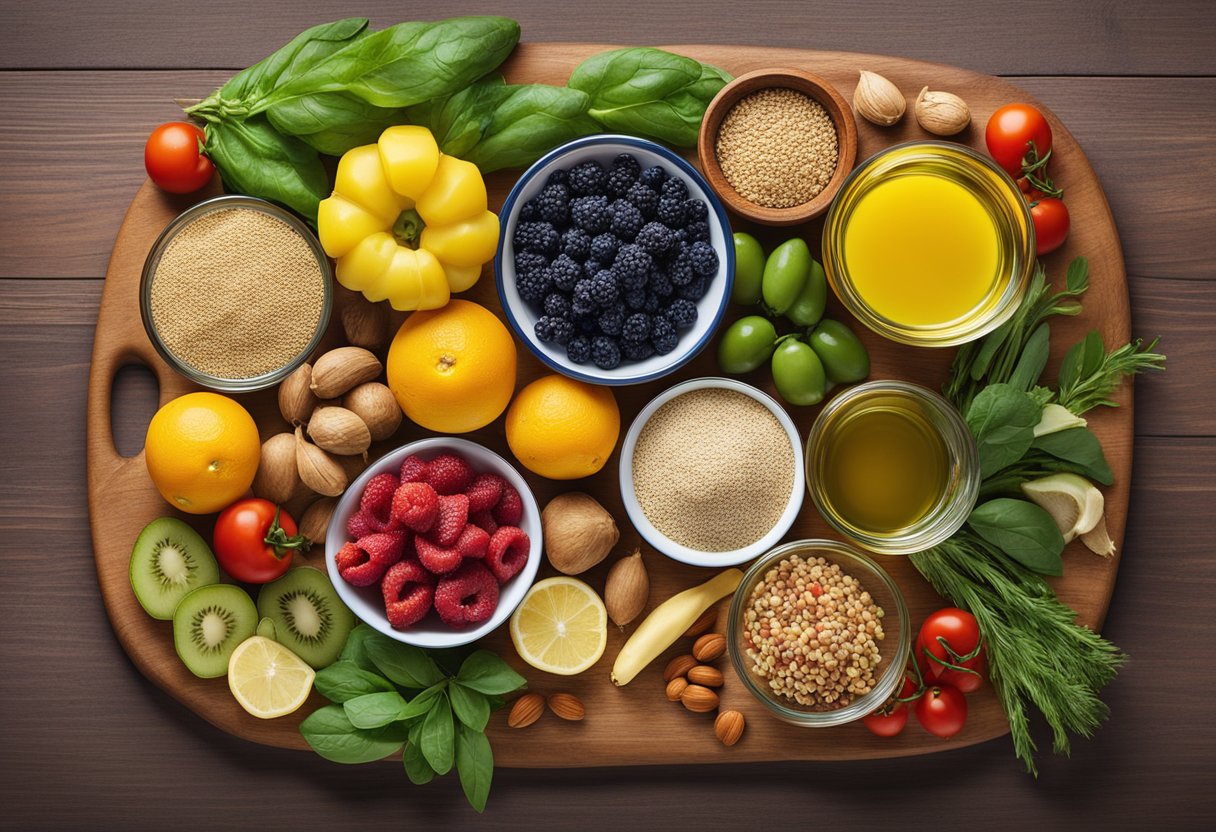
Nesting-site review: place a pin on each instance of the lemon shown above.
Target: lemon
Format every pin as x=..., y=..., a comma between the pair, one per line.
x=562, y=428
x=560, y=627
x=268, y=679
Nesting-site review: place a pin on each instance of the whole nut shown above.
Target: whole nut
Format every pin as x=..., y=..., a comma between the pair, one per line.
x=709, y=647
x=728, y=727
x=703, y=623
x=526, y=710
x=365, y=323
x=567, y=706
x=314, y=522
x=339, y=370
x=318, y=469
x=277, y=475
x=878, y=100
x=339, y=431
x=705, y=675
x=678, y=666
x=627, y=589
x=376, y=405
x=675, y=688
x=941, y=113
x=699, y=699
x=296, y=401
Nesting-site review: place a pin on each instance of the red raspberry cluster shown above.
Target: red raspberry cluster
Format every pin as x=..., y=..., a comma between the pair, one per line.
x=436, y=536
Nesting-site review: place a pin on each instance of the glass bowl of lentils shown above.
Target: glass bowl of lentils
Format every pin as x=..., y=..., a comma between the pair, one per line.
x=819, y=633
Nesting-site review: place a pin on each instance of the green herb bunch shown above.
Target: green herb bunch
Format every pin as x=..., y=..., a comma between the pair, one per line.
x=391, y=698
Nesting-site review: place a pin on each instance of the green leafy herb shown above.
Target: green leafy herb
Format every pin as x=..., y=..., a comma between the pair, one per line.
x=1080, y=447
x=438, y=736
x=1021, y=530
x=345, y=680
x=416, y=767
x=471, y=708
x=1002, y=419
x=375, y=710
x=254, y=158
x=1034, y=358
x=1091, y=381
x=530, y=121
x=404, y=664
x=355, y=649
x=474, y=765
x=484, y=672
x=303, y=52
x=334, y=122
x=330, y=733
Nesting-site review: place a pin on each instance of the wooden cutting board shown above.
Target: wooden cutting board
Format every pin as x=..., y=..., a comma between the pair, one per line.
x=635, y=724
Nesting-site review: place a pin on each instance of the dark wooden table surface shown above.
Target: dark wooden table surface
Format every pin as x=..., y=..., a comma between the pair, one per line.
x=88, y=743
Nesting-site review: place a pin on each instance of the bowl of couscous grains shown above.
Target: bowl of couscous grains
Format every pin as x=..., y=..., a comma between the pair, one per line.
x=818, y=633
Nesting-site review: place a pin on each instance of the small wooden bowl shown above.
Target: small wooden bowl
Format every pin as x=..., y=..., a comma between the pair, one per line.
x=784, y=78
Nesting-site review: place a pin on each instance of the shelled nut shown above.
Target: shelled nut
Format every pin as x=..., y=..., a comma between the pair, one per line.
x=678, y=666
x=709, y=647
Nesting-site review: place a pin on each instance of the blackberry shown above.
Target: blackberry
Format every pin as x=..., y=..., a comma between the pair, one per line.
x=593, y=267
x=682, y=313
x=612, y=319
x=534, y=285
x=590, y=213
x=540, y=237
x=675, y=188
x=661, y=284
x=655, y=239
x=529, y=261
x=635, y=299
x=653, y=178
x=606, y=288
x=565, y=273
x=697, y=231
x=578, y=349
x=624, y=173
x=629, y=163
x=636, y=328
x=604, y=247
x=530, y=210
x=654, y=304
x=671, y=212
x=681, y=269
x=558, y=177
x=633, y=266
x=588, y=325
x=704, y=259
x=643, y=198
x=563, y=330
x=605, y=352
x=680, y=236
x=587, y=178
x=557, y=305
x=583, y=303
x=555, y=204
x=543, y=328
x=696, y=209
x=663, y=335
x=626, y=219
x=637, y=352
x=576, y=244
x=694, y=290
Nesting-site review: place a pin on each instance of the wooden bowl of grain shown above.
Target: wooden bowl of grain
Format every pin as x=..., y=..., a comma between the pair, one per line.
x=777, y=144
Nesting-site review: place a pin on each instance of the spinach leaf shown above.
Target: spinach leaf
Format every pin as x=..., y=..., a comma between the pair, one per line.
x=436, y=737
x=375, y=710
x=485, y=673
x=355, y=649
x=1021, y=530
x=416, y=767
x=458, y=121
x=474, y=765
x=329, y=733
x=404, y=664
x=303, y=52
x=1034, y=359
x=334, y=122
x=1080, y=447
x=530, y=121
x=253, y=158
x=470, y=707
x=345, y=680
x=1002, y=419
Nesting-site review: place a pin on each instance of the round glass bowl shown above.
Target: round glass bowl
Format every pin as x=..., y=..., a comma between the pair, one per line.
x=893, y=648
x=925, y=410
x=152, y=263
x=954, y=185
x=673, y=549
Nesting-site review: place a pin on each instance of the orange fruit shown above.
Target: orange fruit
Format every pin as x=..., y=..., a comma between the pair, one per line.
x=452, y=369
x=202, y=450
x=563, y=429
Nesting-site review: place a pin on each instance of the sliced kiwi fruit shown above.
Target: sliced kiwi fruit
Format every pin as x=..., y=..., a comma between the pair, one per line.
x=209, y=623
x=266, y=629
x=169, y=560
x=309, y=618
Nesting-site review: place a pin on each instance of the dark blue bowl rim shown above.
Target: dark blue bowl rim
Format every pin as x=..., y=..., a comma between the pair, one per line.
x=508, y=208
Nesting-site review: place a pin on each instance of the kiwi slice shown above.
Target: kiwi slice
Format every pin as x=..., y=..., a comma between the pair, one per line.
x=169, y=560
x=309, y=618
x=209, y=623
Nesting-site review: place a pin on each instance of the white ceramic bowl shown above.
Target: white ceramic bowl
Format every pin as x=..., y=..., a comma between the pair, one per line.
x=665, y=544
x=367, y=603
x=522, y=316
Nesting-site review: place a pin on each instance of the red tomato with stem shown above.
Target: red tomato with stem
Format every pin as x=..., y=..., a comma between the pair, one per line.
x=942, y=710
x=887, y=721
x=961, y=633
x=255, y=539
x=1051, y=224
x=173, y=157
x=969, y=680
x=1009, y=133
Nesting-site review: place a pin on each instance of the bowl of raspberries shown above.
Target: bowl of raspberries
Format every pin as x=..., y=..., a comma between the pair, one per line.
x=436, y=543
x=615, y=261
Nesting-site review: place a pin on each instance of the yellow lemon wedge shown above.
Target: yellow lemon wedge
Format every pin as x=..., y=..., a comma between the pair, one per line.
x=267, y=679
x=560, y=627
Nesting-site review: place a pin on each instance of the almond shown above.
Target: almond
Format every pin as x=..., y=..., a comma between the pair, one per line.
x=675, y=688
x=699, y=699
x=296, y=401
x=705, y=675
x=627, y=589
x=526, y=710
x=314, y=522
x=567, y=706
x=703, y=624
x=678, y=666
x=376, y=405
x=342, y=369
x=318, y=469
x=709, y=647
x=728, y=727
x=277, y=475
x=339, y=431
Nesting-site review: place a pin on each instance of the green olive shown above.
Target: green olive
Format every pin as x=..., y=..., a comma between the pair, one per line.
x=842, y=353
x=746, y=344
x=808, y=307
x=749, y=270
x=798, y=373
x=785, y=273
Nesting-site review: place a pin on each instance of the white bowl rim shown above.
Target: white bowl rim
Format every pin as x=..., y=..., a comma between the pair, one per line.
x=665, y=544
x=509, y=596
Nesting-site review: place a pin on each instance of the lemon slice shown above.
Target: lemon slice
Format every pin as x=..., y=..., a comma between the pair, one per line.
x=560, y=627
x=268, y=679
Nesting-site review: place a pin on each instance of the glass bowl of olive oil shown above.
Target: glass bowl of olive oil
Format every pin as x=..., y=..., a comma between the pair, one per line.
x=892, y=466
x=929, y=244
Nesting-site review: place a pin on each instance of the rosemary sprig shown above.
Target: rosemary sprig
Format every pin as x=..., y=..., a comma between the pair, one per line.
x=1093, y=390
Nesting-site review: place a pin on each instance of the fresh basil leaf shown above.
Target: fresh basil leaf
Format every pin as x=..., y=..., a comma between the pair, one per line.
x=300, y=54
x=1080, y=447
x=474, y=765
x=486, y=673
x=405, y=664
x=1021, y=530
x=329, y=733
x=1077, y=277
x=333, y=122
x=375, y=710
x=1002, y=419
x=532, y=120
x=470, y=706
x=355, y=649
x=344, y=680
x=424, y=701
x=255, y=159
x=416, y=767
x=1033, y=360
x=436, y=737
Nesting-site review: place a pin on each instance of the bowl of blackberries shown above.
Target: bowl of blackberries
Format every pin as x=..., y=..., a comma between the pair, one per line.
x=615, y=261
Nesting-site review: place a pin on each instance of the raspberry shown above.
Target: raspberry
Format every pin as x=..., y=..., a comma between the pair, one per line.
x=359, y=525
x=377, y=502
x=439, y=560
x=453, y=515
x=413, y=469
x=484, y=492
x=508, y=552
x=483, y=520
x=510, y=509
x=415, y=505
x=409, y=591
x=469, y=596
x=448, y=474
x=473, y=542
x=364, y=562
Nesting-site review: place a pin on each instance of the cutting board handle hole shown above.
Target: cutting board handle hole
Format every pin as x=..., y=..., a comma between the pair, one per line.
x=134, y=399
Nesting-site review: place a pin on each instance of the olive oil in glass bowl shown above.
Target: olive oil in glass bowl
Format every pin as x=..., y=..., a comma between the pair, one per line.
x=892, y=466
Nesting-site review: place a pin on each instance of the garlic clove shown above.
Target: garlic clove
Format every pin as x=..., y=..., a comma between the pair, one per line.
x=878, y=100
x=1098, y=540
x=942, y=113
x=1056, y=418
x=1072, y=501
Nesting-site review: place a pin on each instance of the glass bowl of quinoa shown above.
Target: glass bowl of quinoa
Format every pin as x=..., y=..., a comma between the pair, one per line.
x=818, y=632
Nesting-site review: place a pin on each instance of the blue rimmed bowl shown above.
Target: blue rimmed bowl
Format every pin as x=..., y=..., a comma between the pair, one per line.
x=522, y=316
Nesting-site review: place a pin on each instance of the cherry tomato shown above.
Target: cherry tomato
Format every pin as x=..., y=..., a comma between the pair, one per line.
x=960, y=630
x=964, y=681
x=174, y=159
x=887, y=722
x=255, y=539
x=1009, y=132
x=942, y=710
x=1051, y=224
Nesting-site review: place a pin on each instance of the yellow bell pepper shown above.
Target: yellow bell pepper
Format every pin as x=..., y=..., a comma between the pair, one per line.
x=407, y=223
